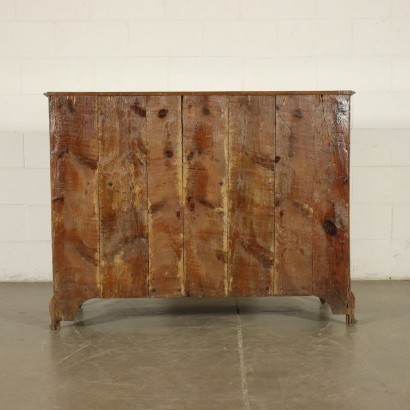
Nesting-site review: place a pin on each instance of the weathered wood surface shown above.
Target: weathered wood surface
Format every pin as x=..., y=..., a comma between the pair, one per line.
x=123, y=197
x=165, y=196
x=199, y=195
x=297, y=122
x=75, y=236
x=205, y=173
x=331, y=276
x=251, y=193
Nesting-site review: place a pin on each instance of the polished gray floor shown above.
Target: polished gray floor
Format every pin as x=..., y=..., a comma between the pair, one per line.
x=261, y=353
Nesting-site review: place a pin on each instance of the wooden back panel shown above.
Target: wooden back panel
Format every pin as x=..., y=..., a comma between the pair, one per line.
x=200, y=195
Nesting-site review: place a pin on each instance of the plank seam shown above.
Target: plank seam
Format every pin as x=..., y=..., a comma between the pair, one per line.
x=314, y=202
x=274, y=276
x=182, y=285
x=275, y=269
x=147, y=200
x=98, y=98
x=227, y=205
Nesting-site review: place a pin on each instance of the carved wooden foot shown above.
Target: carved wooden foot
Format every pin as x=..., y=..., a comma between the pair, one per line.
x=62, y=310
x=55, y=324
x=342, y=306
x=350, y=309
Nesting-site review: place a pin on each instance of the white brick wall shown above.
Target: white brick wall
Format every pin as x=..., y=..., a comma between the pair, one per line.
x=209, y=45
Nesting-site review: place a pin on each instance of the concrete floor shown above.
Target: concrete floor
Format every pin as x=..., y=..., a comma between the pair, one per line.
x=277, y=353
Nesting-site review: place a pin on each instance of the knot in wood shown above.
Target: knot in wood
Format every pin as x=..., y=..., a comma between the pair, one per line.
x=162, y=113
x=329, y=227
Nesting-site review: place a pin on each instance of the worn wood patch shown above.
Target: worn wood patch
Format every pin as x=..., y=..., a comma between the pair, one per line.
x=205, y=145
x=331, y=275
x=251, y=195
x=74, y=159
x=165, y=202
x=297, y=121
x=123, y=197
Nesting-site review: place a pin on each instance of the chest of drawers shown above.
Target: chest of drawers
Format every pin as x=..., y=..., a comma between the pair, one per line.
x=199, y=194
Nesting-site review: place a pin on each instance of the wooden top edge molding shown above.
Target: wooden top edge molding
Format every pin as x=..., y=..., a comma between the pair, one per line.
x=112, y=93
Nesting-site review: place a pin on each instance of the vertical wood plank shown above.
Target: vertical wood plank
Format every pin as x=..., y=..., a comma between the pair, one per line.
x=297, y=121
x=205, y=145
x=74, y=159
x=331, y=275
x=123, y=196
x=165, y=202
x=251, y=195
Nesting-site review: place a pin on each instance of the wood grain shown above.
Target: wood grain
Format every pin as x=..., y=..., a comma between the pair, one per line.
x=200, y=194
x=165, y=202
x=251, y=194
x=331, y=275
x=123, y=197
x=297, y=121
x=205, y=131
x=74, y=159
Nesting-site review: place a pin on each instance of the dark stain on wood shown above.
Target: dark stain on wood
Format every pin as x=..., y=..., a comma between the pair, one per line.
x=264, y=162
x=88, y=162
x=291, y=145
x=70, y=105
x=221, y=255
x=206, y=203
x=162, y=113
x=86, y=252
x=63, y=152
x=137, y=109
x=329, y=227
x=157, y=206
x=263, y=255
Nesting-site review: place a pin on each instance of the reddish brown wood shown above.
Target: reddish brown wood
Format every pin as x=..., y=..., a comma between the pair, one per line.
x=251, y=193
x=296, y=125
x=74, y=202
x=165, y=202
x=205, y=127
x=123, y=197
x=200, y=194
x=331, y=279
